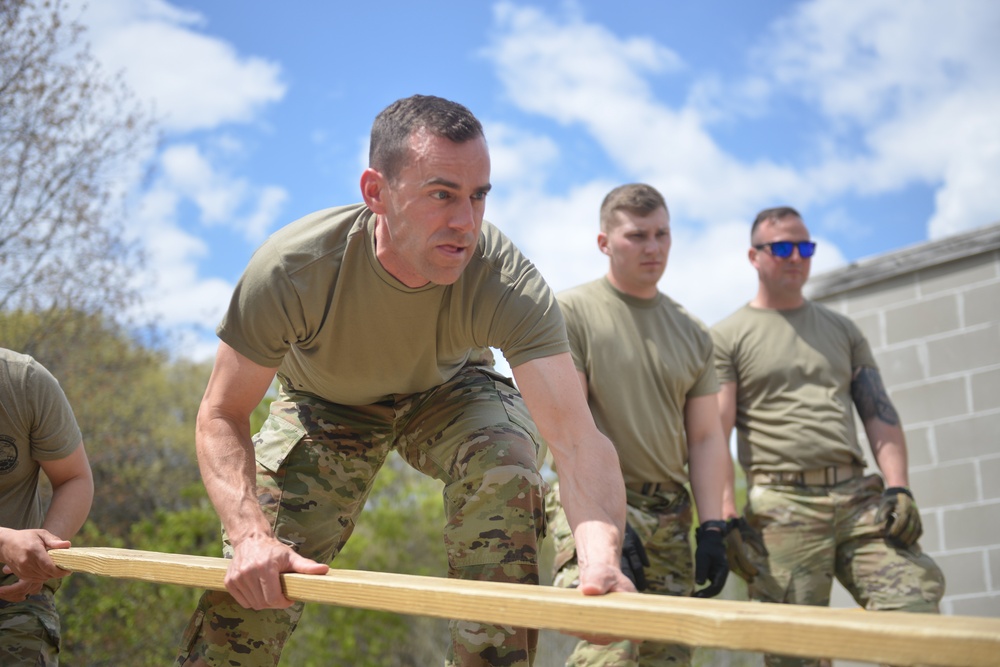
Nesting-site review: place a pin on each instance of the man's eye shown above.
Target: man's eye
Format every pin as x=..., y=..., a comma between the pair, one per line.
x=440, y=194
x=479, y=196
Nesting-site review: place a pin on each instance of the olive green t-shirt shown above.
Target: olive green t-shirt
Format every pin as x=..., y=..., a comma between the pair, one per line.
x=643, y=359
x=793, y=370
x=315, y=303
x=36, y=424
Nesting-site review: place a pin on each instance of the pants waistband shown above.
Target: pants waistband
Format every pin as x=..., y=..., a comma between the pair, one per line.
x=830, y=476
x=652, y=488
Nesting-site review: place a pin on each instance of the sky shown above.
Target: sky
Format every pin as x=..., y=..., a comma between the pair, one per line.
x=878, y=120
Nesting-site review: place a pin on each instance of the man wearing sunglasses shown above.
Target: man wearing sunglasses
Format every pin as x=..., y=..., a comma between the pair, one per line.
x=790, y=369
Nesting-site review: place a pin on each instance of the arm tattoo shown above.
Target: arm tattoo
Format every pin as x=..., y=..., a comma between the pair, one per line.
x=870, y=397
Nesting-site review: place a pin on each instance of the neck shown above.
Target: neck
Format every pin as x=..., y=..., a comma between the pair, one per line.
x=770, y=301
x=638, y=291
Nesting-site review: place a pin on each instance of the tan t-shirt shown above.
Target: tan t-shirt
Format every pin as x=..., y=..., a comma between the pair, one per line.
x=643, y=358
x=793, y=372
x=36, y=424
x=316, y=303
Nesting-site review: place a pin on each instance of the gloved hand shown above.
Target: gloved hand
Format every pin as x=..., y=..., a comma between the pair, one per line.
x=739, y=535
x=710, y=558
x=900, y=516
x=634, y=557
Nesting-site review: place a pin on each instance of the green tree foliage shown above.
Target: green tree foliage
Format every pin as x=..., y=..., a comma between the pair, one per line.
x=69, y=137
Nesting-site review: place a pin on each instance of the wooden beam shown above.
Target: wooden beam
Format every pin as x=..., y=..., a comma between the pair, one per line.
x=882, y=637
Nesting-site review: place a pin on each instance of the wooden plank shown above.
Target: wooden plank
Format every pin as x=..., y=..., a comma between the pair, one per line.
x=890, y=637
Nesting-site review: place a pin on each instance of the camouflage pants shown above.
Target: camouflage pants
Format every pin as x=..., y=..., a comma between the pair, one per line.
x=29, y=631
x=316, y=464
x=816, y=533
x=663, y=522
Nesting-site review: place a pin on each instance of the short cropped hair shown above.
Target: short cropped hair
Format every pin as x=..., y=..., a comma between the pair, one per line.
x=391, y=131
x=636, y=198
x=777, y=213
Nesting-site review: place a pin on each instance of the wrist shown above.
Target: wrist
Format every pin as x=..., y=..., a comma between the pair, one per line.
x=713, y=525
x=893, y=490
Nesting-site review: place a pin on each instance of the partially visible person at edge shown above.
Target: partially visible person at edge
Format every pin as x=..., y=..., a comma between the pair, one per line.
x=790, y=370
x=378, y=318
x=38, y=433
x=645, y=366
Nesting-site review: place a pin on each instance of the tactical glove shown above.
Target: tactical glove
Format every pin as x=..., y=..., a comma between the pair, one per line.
x=634, y=557
x=710, y=558
x=740, y=535
x=900, y=517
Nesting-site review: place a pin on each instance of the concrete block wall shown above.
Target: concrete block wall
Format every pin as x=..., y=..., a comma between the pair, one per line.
x=932, y=316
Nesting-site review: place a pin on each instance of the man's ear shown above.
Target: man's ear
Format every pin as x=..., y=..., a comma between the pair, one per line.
x=602, y=242
x=374, y=190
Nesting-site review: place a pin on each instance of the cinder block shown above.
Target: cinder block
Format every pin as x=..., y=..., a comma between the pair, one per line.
x=928, y=402
x=989, y=475
x=964, y=572
x=982, y=304
x=945, y=485
x=918, y=447
x=930, y=541
x=971, y=527
x=901, y=365
x=986, y=390
x=882, y=294
x=987, y=605
x=965, y=351
x=924, y=318
x=871, y=327
x=965, y=438
x=994, y=558
x=957, y=274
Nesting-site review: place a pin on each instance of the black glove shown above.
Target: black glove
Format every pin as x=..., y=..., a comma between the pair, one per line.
x=739, y=535
x=634, y=558
x=900, y=516
x=710, y=558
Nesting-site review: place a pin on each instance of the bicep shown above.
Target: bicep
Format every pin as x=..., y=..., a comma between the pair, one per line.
x=236, y=386
x=870, y=397
x=727, y=407
x=73, y=466
x=701, y=418
x=548, y=386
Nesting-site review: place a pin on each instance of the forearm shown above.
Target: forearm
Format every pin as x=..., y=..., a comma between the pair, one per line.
x=592, y=492
x=708, y=460
x=888, y=445
x=228, y=471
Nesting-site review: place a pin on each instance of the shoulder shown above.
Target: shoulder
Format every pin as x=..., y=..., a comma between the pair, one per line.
x=317, y=234
x=498, y=254
x=830, y=317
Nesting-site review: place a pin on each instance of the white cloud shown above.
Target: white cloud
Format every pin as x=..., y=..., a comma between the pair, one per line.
x=195, y=80
x=918, y=80
x=579, y=73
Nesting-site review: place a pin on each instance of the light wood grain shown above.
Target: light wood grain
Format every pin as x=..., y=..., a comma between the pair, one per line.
x=891, y=637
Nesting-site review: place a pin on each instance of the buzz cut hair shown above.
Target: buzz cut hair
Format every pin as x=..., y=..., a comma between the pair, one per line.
x=636, y=198
x=777, y=213
x=388, y=149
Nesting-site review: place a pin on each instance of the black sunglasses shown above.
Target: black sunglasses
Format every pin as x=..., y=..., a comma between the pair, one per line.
x=783, y=249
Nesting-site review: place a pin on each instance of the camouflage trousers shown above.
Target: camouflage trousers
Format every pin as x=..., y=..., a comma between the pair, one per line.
x=316, y=464
x=815, y=533
x=29, y=631
x=663, y=522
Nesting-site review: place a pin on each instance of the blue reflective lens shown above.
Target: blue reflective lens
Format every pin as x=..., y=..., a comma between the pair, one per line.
x=783, y=249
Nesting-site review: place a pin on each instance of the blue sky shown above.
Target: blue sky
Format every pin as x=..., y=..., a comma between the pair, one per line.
x=878, y=120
